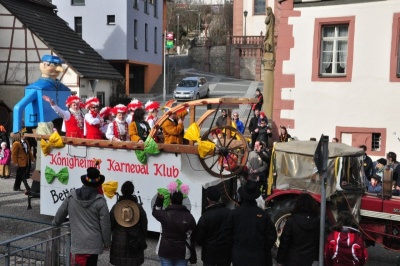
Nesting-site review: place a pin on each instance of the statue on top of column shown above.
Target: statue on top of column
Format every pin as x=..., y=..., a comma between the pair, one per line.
x=269, y=41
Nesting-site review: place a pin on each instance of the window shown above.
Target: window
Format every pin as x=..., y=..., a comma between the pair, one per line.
x=111, y=20
x=155, y=8
x=376, y=142
x=155, y=39
x=259, y=7
x=373, y=138
x=395, y=50
x=135, y=4
x=78, y=26
x=146, y=9
x=145, y=36
x=333, y=49
x=135, y=33
x=77, y=2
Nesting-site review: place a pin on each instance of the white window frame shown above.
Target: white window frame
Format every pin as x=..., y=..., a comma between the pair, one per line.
x=335, y=50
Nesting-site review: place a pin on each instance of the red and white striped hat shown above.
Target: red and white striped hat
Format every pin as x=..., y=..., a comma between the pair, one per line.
x=150, y=106
x=72, y=99
x=134, y=104
x=92, y=101
x=105, y=111
x=119, y=108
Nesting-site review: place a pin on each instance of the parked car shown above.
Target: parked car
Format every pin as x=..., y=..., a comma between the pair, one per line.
x=192, y=88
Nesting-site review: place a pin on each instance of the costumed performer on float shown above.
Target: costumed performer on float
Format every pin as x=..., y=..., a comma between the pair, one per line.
x=32, y=102
x=152, y=111
x=106, y=116
x=73, y=117
x=118, y=129
x=132, y=106
x=92, y=119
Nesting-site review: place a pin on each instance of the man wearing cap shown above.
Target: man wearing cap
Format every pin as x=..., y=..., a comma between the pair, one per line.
x=214, y=231
x=32, y=104
x=118, y=129
x=73, y=118
x=374, y=186
x=254, y=234
x=92, y=119
x=379, y=167
x=89, y=219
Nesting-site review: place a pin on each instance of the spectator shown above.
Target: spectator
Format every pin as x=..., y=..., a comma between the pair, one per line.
x=375, y=186
x=89, y=219
x=395, y=188
x=264, y=132
x=4, y=136
x=221, y=120
x=237, y=123
x=284, y=136
x=264, y=117
x=139, y=129
x=214, y=231
x=256, y=166
x=21, y=157
x=177, y=225
x=345, y=245
x=5, y=160
x=254, y=234
x=92, y=119
x=393, y=164
x=379, y=167
x=73, y=118
x=152, y=112
x=118, y=129
x=129, y=229
x=299, y=241
x=260, y=99
x=367, y=163
x=253, y=126
x=172, y=130
x=132, y=106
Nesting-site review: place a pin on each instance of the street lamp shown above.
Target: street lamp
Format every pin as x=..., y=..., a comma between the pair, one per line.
x=245, y=16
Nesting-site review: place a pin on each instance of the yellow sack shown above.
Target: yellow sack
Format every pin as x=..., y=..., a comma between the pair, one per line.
x=110, y=188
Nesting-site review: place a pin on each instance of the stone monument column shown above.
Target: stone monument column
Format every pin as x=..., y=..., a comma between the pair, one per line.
x=268, y=62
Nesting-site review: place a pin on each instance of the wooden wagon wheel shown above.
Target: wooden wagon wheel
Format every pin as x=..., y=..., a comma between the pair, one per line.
x=230, y=153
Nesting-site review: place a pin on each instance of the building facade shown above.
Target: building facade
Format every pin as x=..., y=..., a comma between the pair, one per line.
x=129, y=34
x=337, y=71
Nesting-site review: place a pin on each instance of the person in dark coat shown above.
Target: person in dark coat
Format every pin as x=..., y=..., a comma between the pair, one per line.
x=367, y=163
x=253, y=127
x=128, y=228
x=254, y=234
x=214, y=231
x=221, y=120
x=177, y=225
x=299, y=242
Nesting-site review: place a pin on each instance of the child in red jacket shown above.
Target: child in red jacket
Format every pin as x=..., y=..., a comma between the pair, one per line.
x=345, y=245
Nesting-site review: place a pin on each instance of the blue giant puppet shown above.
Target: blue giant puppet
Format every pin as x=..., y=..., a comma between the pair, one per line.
x=32, y=102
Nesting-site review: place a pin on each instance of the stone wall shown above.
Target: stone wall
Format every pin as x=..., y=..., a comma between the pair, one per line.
x=217, y=58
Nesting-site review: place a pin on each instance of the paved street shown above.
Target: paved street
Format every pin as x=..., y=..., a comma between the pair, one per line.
x=14, y=204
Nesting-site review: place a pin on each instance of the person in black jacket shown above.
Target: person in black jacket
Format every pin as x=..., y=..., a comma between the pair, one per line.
x=214, y=231
x=253, y=127
x=299, y=242
x=129, y=229
x=254, y=234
